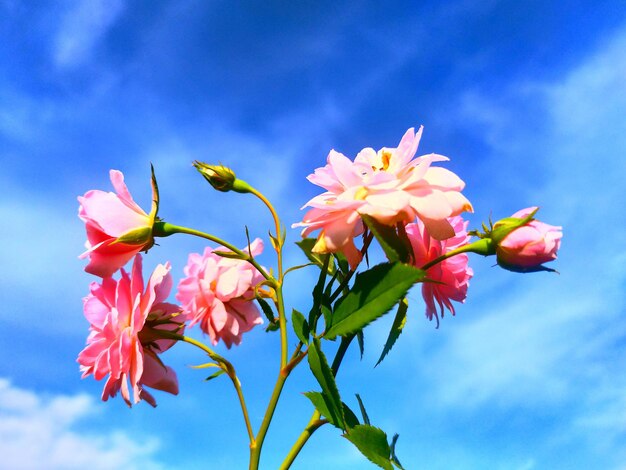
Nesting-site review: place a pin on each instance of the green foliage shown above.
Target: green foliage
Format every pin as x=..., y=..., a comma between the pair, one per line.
x=396, y=329
x=374, y=292
x=396, y=247
x=321, y=404
x=306, y=245
x=372, y=442
x=366, y=418
x=324, y=375
x=300, y=326
x=394, y=458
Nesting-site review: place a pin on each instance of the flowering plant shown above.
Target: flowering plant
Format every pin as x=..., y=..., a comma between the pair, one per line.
x=408, y=205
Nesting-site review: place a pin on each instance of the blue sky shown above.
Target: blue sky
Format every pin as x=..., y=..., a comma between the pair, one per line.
x=528, y=99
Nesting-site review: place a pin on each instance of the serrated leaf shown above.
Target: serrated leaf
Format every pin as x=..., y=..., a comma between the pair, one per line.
x=393, y=245
x=306, y=245
x=342, y=263
x=300, y=326
x=327, y=312
x=361, y=340
x=394, y=458
x=350, y=417
x=396, y=329
x=372, y=442
x=366, y=419
x=324, y=375
x=322, y=404
x=267, y=310
x=215, y=375
x=373, y=294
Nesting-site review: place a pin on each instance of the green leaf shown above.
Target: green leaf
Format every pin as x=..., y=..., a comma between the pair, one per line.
x=351, y=419
x=324, y=375
x=361, y=340
x=215, y=374
x=372, y=442
x=300, y=326
x=322, y=404
x=267, y=310
x=374, y=292
x=306, y=245
x=366, y=418
x=394, y=247
x=396, y=329
x=342, y=263
x=394, y=458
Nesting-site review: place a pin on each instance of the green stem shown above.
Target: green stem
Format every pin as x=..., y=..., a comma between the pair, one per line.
x=257, y=445
x=484, y=246
x=315, y=422
x=165, y=229
x=226, y=367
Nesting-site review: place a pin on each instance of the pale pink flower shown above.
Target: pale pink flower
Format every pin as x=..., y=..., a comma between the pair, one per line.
x=389, y=185
x=117, y=228
x=451, y=276
x=529, y=246
x=123, y=342
x=218, y=293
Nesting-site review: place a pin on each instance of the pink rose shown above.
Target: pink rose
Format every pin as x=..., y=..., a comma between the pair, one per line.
x=218, y=293
x=117, y=228
x=123, y=342
x=526, y=248
x=389, y=185
x=451, y=276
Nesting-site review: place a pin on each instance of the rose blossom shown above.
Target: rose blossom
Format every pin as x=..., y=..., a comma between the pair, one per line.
x=218, y=293
x=451, y=276
x=123, y=340
x=117, y=228
x=529, y=246
x=389, y=185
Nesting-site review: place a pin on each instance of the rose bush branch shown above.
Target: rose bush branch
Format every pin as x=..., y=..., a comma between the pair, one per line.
x=410, y=206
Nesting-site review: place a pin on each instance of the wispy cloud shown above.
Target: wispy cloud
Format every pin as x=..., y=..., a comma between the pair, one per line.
x=43, y=431
x=81, y=28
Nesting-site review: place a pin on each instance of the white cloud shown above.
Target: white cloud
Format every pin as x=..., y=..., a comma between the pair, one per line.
x=84, y=23
x=39, y=431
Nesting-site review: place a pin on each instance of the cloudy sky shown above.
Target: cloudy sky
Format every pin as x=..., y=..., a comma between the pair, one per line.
x=528, y=99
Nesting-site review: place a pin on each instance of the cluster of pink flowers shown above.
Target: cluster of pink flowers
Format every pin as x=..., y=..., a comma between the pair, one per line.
x=131, y=325
x=389, y=185
x=127, y=321
x=393, y=187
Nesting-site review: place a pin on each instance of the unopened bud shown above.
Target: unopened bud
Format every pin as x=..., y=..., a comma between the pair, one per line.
x=218, y=176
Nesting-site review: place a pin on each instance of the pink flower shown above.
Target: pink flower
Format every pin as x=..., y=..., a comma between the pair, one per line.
x=117, y=228
x=218, y=294
x=529, y=246
x=451, y=276
x=389, y=185
x=123, y=342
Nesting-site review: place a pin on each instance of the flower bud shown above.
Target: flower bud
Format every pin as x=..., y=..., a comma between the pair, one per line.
x=524, y=244
x=218, y=176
